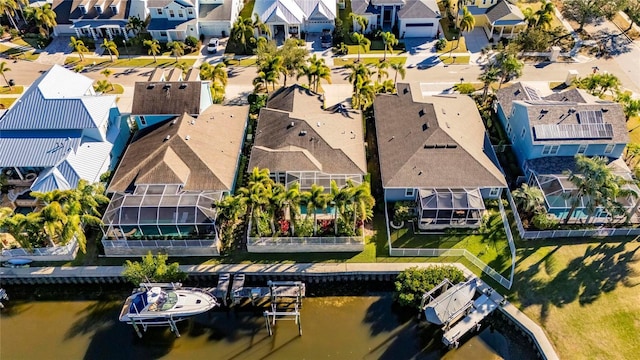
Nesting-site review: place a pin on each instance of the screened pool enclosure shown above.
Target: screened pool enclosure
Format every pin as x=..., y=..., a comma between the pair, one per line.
x=450, y=207
x=161, y=211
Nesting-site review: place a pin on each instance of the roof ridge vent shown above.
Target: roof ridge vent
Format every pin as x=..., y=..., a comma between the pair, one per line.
x=151, y=86
x=183, y=86
x=167, y=137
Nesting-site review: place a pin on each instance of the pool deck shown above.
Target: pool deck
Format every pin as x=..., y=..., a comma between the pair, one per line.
x=304, y=270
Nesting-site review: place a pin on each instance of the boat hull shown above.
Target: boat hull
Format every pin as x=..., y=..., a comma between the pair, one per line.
x=180, y=305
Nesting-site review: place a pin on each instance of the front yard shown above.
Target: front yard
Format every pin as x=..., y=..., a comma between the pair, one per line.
x=126, y=62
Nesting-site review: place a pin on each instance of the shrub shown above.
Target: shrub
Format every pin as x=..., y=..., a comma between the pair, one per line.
x=256, y=102
x=441, y=44
x=152, y=269
x=464, y=88
x=402, y=211
x=304, y=227
x=413, y=282
x=545, y=221
x=191, y=41
x=14, y=33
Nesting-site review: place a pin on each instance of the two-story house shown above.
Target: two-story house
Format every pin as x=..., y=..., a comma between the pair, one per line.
x=434, y=151
x=93, y=18
x=287, y=18
x=547, y=131
x=414, y=18
x=58, y=132
x=498, y=18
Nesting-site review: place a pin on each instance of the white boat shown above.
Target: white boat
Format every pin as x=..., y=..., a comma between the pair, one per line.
x=165, y=304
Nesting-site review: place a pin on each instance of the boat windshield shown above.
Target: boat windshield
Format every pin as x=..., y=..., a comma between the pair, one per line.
x=166, y=301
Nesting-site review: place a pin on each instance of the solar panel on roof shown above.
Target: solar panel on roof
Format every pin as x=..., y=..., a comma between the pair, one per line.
x=573, y=131
x=590, y=117
x=533, y=94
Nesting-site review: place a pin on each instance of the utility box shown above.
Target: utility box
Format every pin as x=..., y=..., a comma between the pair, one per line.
x=571, y=77
x=555, y=53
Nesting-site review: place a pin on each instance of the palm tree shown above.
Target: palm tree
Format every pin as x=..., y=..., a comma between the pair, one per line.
x=261, y=27
x=3, y=71
x=215, y=73
x=340, y=198
x=545, y=14
x=102, y=86
x=292, y=203
x=364, y=95
x=134, y=24
x=242, y=31
x=182, y=66
x=9, y=7
x=362, y=202
x=45, y=18
x=381, y=69
x=361, y=21
x=362, y=42
x=490, y=75
x=153, y=48
x=587, y=180
x=322, y=72
x=316, y=199
x=231, y=207
x=467, y=22
x=177, y=48
x=293, y=57
x=509, y=66
x=272, y=69
x=389, y=40
x=529, y=199
x=107, y=73
x=111, y=47
x=399, y=68
x=358, y=73
x=385, y=87
x=78, y=46
x=608, y=82
x=261, y=82
x=529, y=17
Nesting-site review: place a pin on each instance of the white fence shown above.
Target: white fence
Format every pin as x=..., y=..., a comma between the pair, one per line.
x=549, y=234
x=57, y=253
x=177, y=247
x=306, y=244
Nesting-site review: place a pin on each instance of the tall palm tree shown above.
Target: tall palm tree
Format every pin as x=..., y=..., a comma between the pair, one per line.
x=107, y=73
x=3, y=71
x=340, y=197
x=358, y=73
x=389, y=40
x=272, y=69
x=467, y=22
x=102, y=86
x=78, y=46
x=509, y=66
x=362, y=42
x=134, y=24
x=215, y=73
x=177, y=48
x=153, y=48
x=261, y=82
x=399, y=68
x=45, y=18
x=111, y=47
x=362, y=202
x=292, y=203
x=529, y=198
x=9, y=7
x=587, y=179
x=316, y=199
x=490, y=75
x=381, y=70
x=545, y=14
x=361, y=21
x=322, y=72
x=364, y=95
x=242, y=31
x=385, y=87
x=259, y=26
x=530, y=17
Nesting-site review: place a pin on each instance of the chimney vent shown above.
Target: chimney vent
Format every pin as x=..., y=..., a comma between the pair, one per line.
x=167, y=137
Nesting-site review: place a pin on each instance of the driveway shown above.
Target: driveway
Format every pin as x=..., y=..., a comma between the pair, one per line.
x=476, y=40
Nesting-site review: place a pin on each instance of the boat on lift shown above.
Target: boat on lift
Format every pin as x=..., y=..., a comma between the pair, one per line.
x=156, y=304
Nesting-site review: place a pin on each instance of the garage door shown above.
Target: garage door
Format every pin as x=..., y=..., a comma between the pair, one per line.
x=420, y=29
x=318, y=26
x=214, y=29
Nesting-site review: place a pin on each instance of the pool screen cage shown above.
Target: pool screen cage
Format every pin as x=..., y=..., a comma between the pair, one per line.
x=308, y=178
x=161, y=210
x=450, y=206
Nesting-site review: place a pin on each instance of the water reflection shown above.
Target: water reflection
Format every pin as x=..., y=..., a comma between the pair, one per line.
x=363, y=327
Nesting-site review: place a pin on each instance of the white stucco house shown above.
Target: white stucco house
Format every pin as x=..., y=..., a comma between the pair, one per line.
x=414, y=18
x=287, y=18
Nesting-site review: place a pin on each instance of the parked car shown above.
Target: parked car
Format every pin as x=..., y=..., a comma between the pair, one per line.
x=212, y=46
x=326, y=40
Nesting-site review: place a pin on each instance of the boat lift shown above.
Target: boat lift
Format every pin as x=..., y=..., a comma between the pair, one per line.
x=286, y=302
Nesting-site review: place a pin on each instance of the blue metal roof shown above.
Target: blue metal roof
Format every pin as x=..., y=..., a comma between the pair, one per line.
x=37, y=148
x=98, y=23
x=69, y=173
x=508, y=22
x=165, y=24
x=50, y=180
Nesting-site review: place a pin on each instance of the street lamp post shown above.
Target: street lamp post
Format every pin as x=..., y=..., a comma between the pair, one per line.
x=124, y=42
x=451, y=48
x=461, y=80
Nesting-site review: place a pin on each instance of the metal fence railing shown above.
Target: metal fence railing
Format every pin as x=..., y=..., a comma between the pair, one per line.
x=317, y=240
x=62, y=251
x=157, y=243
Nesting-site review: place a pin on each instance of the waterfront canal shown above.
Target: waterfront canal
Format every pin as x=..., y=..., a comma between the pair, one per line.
x=334, y=327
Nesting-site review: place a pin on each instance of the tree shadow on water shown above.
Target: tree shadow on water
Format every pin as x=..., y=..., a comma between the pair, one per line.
x=601, y=269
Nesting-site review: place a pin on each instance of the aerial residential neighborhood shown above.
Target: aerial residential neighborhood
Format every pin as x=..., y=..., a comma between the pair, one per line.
x=475, y=162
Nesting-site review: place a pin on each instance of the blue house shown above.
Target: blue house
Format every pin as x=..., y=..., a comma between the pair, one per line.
x=547, y=132
x=167, y=96
x=58, y=132
x=434, y=151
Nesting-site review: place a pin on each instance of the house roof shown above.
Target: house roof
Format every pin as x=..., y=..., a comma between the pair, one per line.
x=419, y=9
x=167, y=24
x=68, y=11
x=168, y=98
x=163, y=3
x=568, y=117
x=201, y=154
x=362, y=7
x=37, y=148
x=502, y=9
x=434, y=142
x=46, y=105
x=216, y=12
x=294, y=11
x=295, y=133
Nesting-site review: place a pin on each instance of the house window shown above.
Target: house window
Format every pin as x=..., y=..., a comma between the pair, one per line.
x=550, y=149
x=190, y=11
x=409, y=193
x=114, y=9
x=609, y=149
x=163, y=33
x=83, y=9
x=180, y=14
x=509, y=129
x=143, y=121
x=484, y=2
x=494, y=192
x=524, y=131
x=98, y=9
x=159, y=11
x=171, y=14
x=582, y=149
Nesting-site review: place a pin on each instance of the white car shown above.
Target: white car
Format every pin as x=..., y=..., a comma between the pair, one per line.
x=212, y=46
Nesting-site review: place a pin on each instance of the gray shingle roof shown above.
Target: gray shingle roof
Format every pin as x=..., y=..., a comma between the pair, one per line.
x=434, y=141
x=170, y=98
x=419, y=9
x=294, y=133
x=502, y=9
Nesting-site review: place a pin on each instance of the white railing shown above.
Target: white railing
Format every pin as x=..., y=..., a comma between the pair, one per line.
x=65, y=252
x=158, y=243
x=548, y=234
x=312, y=240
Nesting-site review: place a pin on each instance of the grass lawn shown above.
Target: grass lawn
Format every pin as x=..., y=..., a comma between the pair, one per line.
x=369, y=60
x=247, y=9
x=535, y=6
x=455, y=59
x=584, y=295
x=623, y=24
x=634, y=129
x=117, y=89
x=242, y=62
x=491, y=246
x=6, y=102
x=449, y=30
x=5, y=90
x=17, y=53
x=457, y=45
x=135, y=62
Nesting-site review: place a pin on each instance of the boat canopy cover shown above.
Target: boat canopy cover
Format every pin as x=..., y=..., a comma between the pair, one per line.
x=450, y=302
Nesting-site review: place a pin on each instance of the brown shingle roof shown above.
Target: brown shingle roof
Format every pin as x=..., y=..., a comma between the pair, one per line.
x=166, y=98
x=434, y=141
x=201, y=154
x=318, y=140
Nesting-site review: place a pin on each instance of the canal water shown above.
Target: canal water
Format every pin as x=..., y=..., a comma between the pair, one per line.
x=334, y=327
